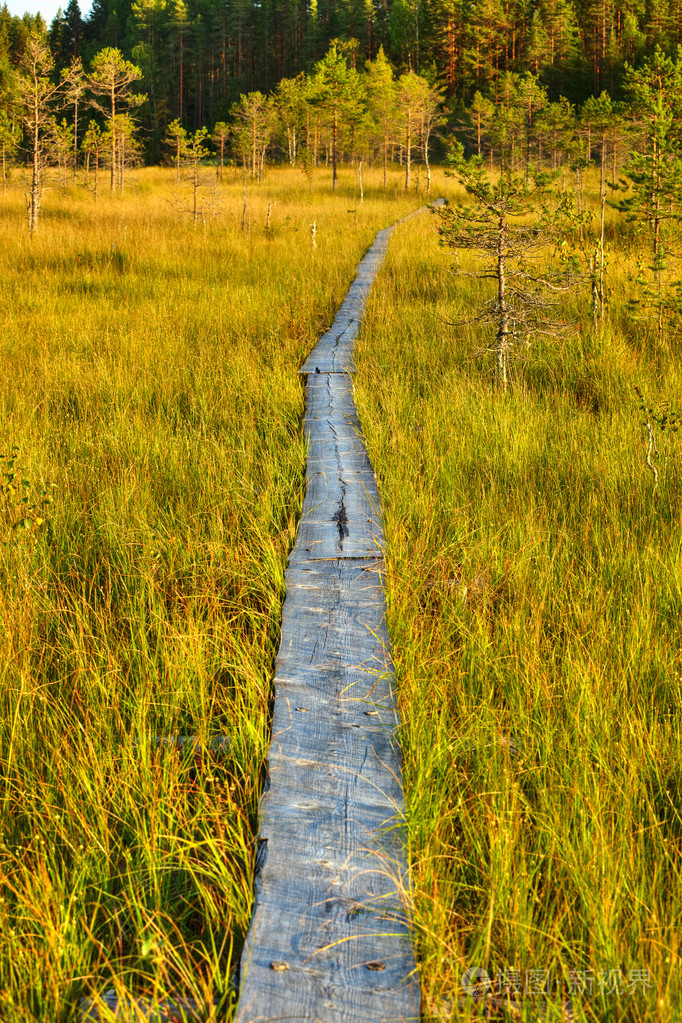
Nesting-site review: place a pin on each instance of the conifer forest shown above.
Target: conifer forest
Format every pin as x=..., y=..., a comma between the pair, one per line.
x=264, y=68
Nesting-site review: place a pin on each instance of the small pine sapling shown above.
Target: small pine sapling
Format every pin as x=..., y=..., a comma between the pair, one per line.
x=220, y=138
x=176, y=140
x=92, y=148
x=510, y=225
x=197, y=150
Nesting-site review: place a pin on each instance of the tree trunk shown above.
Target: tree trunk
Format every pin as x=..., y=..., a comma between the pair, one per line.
x=181, y=83
x=75, y=139
x=34, y=199
x=408, y=150
x=113, y=138
x=602, y=196
x=501, y=352
x=427, y=165
x=334, y=141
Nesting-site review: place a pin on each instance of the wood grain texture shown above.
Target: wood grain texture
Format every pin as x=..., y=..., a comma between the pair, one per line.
x=341, y=515
x=329, y=939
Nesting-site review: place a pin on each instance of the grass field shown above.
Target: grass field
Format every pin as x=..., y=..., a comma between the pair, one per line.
x=534, y=582
x=534, y=579
x=149, y=384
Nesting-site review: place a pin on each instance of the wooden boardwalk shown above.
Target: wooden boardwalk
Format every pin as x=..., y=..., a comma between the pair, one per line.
x=329, y=941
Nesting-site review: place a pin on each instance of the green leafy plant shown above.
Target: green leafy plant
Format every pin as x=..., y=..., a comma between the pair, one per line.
x=20, y=509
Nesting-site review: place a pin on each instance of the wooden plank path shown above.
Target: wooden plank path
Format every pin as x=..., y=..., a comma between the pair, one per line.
x=329, y=940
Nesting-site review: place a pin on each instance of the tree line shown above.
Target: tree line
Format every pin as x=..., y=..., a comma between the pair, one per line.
x=197, y=57
x=91, y=118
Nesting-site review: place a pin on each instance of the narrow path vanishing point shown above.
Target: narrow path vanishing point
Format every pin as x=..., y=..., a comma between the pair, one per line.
x=329, y=941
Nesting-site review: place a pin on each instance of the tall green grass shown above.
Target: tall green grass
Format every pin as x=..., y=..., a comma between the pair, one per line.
x=149, y=381
x=534, y=583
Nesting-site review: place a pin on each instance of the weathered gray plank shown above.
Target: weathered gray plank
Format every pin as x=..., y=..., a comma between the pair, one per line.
x=341, y=515
x=330, y=393
x=329, y=940
x=333, y=353
x=331, y=797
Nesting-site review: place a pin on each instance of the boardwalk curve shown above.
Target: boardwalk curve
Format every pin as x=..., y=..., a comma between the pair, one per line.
x=329, y=940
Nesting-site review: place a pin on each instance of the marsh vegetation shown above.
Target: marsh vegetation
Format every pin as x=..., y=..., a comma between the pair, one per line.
x=151, y=416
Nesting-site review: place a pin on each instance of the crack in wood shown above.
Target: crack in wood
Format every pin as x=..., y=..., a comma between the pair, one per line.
x=340, y=517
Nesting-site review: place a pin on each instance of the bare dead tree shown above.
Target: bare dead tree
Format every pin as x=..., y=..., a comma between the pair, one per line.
x=36, y=93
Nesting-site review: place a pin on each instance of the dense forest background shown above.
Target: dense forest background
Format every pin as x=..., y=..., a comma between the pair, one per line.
x=197, y=57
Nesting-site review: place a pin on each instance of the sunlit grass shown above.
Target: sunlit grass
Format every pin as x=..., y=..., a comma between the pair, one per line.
x=149, y=380
x=534, y=582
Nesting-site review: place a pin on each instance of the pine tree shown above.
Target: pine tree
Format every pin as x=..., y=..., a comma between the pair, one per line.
x=409, y=97
x=196, y=150
x=176, y=141
x=179, y=32
x=92, y=145
x=507, y=223
x=291, y=104
x=148, y=15
x=556, y=128
x=605, y=128
x=481, y=115
x=219, y=138
x=75, y=85
x=73, y=29
x=254, y=123
x=655, y=169
x=113, y=77
x=60, y=145
x=483, y=52
x=404, y=27
x=339, y=95
x=380, y=88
